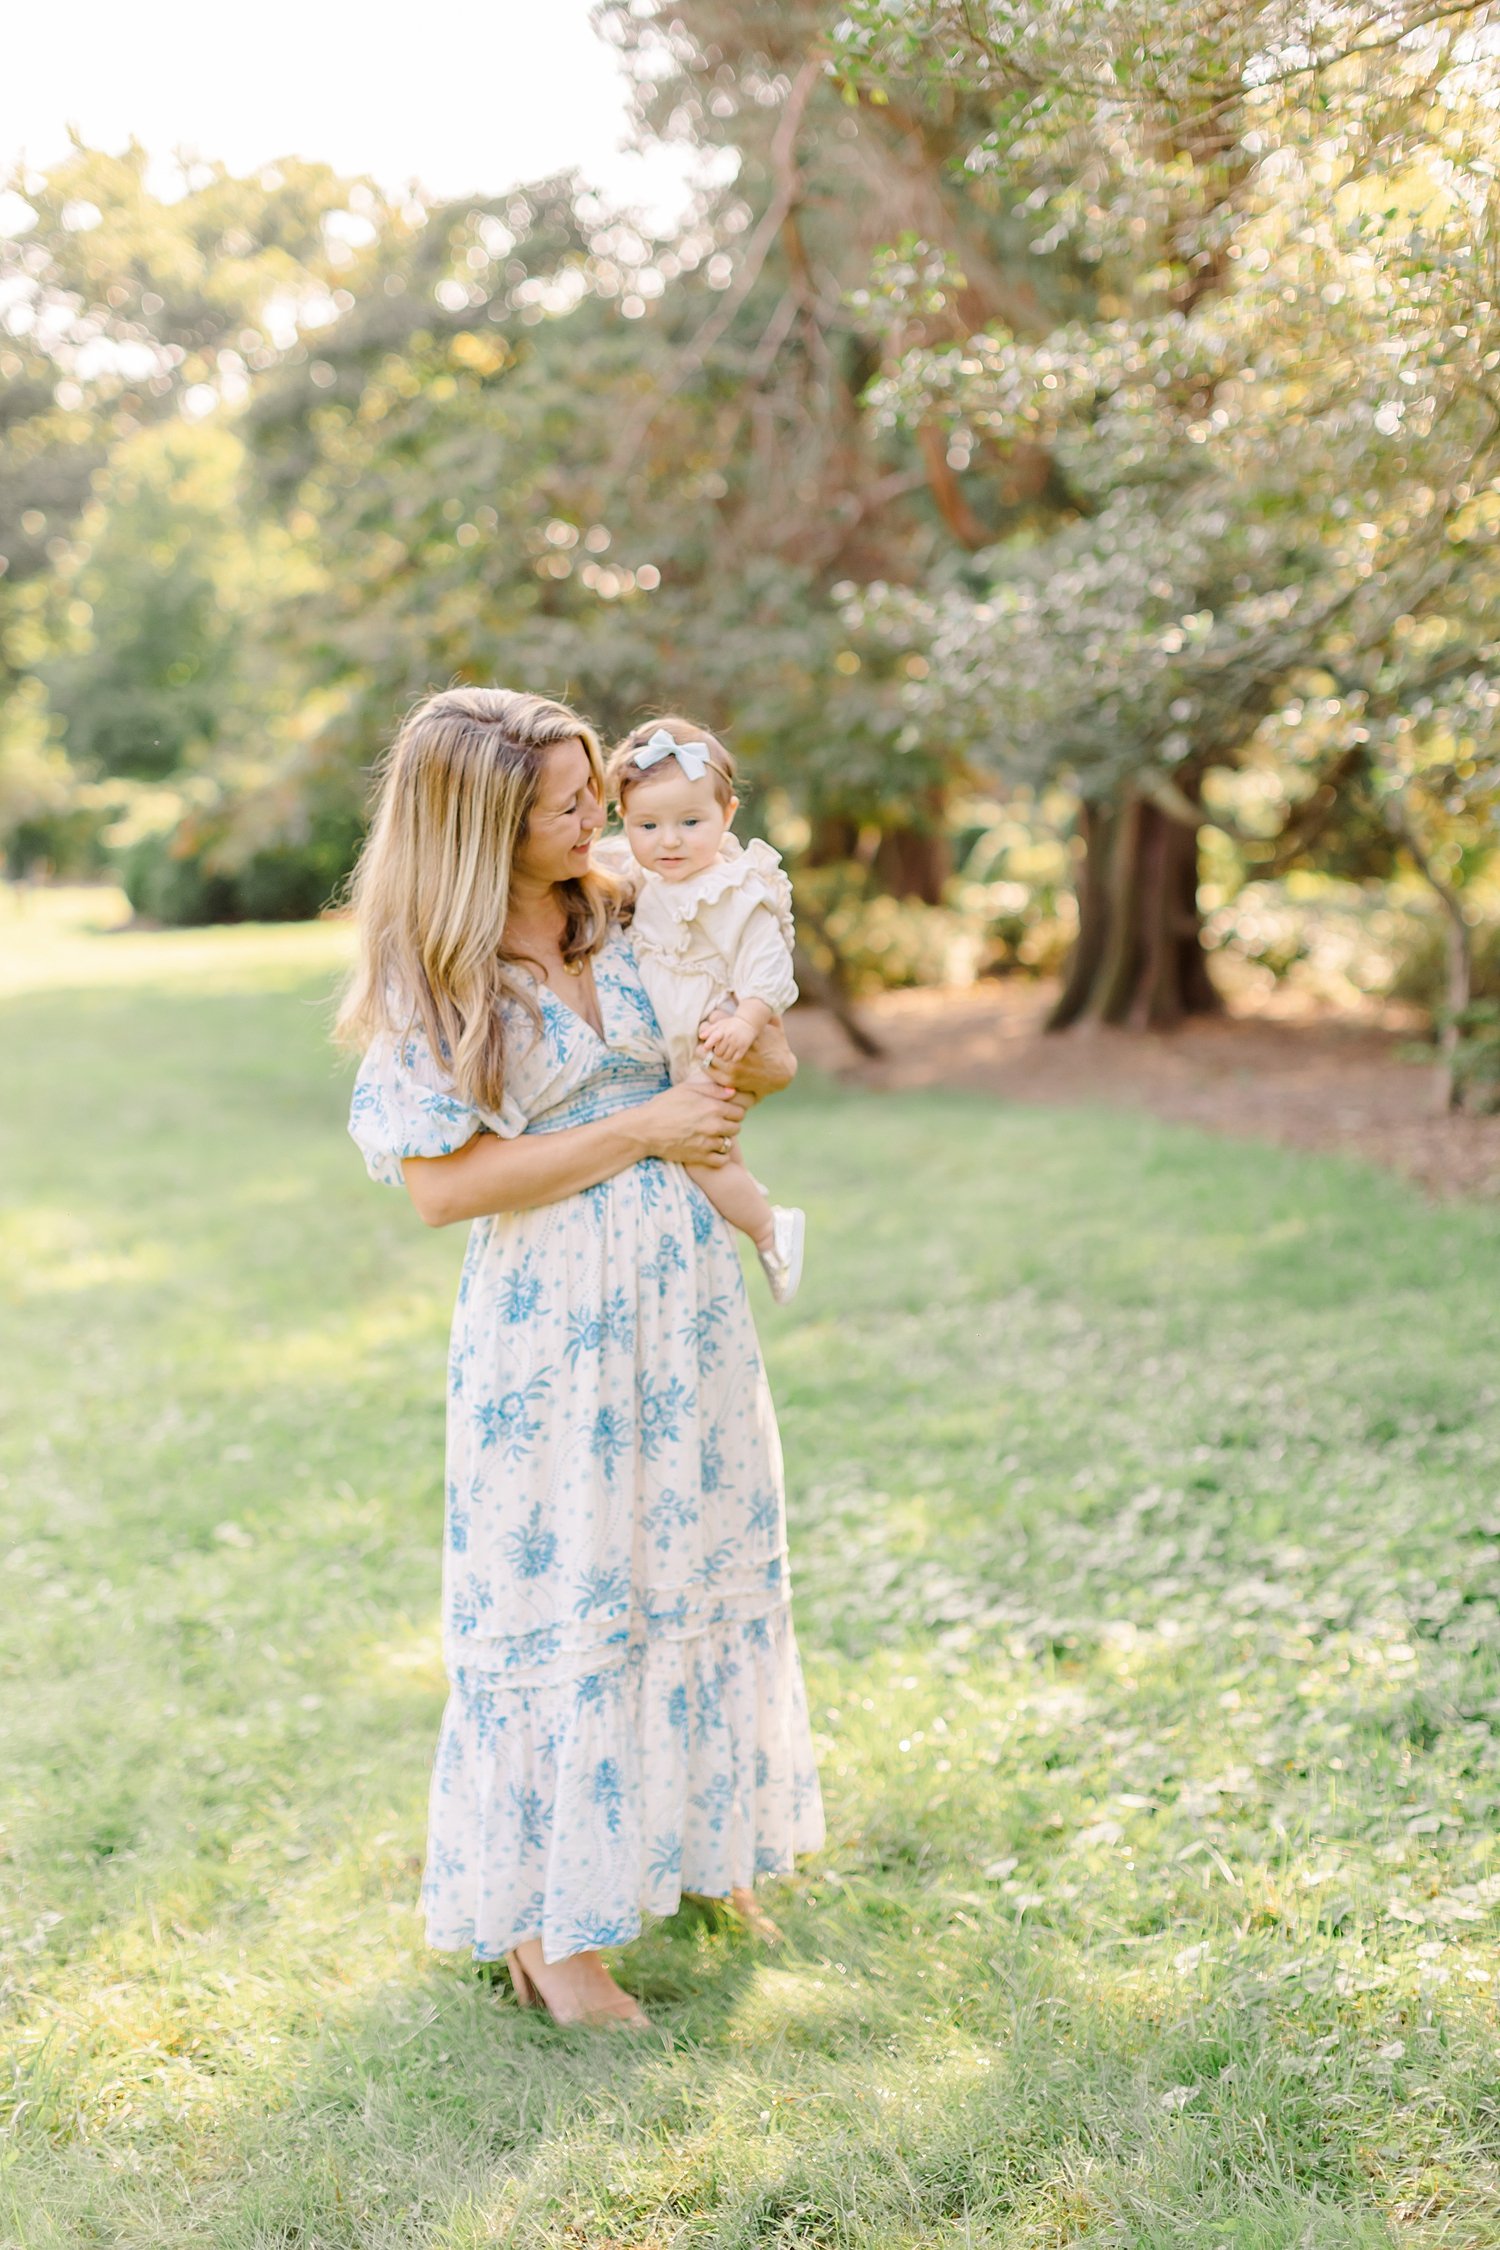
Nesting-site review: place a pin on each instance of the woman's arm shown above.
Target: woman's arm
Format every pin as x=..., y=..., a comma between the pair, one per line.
x=687, y=1125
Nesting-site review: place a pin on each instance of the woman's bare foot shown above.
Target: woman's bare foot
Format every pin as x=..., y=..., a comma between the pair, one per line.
x=754, y=1916
x=579, y=1989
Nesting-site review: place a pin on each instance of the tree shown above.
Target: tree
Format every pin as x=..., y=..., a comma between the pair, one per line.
x=1434, y=765
x=538, y=444
x=1276, y=435
x=119, y=307
x=515, y=435
x=808, y=481
x=162, y=596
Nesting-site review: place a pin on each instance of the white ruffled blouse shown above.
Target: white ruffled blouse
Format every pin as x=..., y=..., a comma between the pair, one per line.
x=727, y=932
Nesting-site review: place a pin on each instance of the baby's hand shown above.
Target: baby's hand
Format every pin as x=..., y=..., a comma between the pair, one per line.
x=729, y=1038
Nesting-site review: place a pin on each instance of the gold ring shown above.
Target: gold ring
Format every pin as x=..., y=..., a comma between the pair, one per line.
x=724, y=1145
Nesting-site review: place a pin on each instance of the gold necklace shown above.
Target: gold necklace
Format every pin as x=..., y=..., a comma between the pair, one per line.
x=569, y=968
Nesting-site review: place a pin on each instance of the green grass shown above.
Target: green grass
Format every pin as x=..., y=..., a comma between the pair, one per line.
x=1145, y=1499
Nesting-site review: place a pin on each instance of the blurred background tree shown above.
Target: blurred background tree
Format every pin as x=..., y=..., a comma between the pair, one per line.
x=1061, y=421
x=1275, y=430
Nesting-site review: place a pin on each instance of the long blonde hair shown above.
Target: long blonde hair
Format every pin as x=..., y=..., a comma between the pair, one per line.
x=432, y=888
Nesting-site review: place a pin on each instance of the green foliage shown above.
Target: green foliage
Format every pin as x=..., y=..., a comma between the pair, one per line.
x=1345, y=945
x=288, y=883
x=511, y=437
x=121, y=301
x=1275, y=445
x=202, y=871
x=1422, y=975
x=1147, y=1579
x=505, y=441
x=137, y=590
x=1274, y=429
x=66, y=840
x=152, y=666
x=1004, y=909
x=1476, y=1056
x=166, y=881
x=1096, y=394
x=883, y=942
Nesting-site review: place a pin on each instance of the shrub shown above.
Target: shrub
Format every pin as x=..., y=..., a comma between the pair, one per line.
x=982, y=929
x=66, y=841
x=283, y=883
x=1476, y=1059
x=1337, y=942
x=195, y=873
x=166, y=879
x=1422, y=972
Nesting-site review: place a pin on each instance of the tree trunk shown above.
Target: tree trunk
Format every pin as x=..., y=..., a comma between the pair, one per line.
x=913, y=863
x=829, y=987
x=834, y=837
x=1459, y=946
x=903, y=862
x=1139, y=958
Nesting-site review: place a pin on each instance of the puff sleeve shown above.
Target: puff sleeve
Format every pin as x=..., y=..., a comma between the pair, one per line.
x=404, y=1105
x=750, y=921
x=762, y=961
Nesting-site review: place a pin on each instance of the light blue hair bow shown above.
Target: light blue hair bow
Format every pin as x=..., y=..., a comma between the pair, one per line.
x=691, y=756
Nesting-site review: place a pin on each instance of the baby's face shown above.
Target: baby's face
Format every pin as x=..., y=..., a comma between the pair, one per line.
x=675, y=826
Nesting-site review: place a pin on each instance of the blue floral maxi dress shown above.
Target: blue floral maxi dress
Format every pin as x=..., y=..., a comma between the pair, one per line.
x=626, y=1717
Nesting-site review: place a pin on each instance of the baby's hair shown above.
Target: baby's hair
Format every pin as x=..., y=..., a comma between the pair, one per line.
x=621, y=773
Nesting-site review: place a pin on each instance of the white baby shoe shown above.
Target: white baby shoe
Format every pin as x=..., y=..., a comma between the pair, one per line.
x=782, y=1263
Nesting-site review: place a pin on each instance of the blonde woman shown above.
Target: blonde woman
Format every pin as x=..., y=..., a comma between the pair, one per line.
x=626, y=1717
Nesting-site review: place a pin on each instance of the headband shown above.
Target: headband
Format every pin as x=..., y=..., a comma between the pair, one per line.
x=693, y=757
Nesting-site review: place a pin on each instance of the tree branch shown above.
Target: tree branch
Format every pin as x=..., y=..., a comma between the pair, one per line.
x=1460, y=945
x=946, y=490
x=788, y=183
x=1310, y=815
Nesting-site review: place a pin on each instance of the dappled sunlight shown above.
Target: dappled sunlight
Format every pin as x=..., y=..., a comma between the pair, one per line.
x=1149, y=1624
x=810, y=2005
x=341, y=1347
x=1057, y=444
x=146, y=2013
x=408, y=1661
x=53, y=939
x=56, y=1252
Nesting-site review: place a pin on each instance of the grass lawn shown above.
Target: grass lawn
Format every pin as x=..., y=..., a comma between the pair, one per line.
x=1145, y=1500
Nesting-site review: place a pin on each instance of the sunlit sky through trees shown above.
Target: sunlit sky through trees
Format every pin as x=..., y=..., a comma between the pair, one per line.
x=463, y=96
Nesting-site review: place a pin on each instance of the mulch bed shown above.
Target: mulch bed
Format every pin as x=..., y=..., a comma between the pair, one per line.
x=1315, y=1081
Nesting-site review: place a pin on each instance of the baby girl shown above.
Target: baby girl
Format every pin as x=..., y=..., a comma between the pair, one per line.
x=713, y=941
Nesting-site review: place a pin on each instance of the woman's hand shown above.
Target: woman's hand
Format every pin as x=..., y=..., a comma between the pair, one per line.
x=766, y=1069
x=694, y=1123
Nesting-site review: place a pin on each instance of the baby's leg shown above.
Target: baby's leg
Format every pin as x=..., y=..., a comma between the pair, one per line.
x=737, y=1198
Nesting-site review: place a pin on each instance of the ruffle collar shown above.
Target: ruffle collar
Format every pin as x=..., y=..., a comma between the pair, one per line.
x=736, y=866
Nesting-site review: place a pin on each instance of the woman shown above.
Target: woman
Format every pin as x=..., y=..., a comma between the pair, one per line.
x=626, y=1717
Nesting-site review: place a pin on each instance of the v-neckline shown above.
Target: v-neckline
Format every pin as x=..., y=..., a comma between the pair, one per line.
x=551, y=993
x=594, y=1031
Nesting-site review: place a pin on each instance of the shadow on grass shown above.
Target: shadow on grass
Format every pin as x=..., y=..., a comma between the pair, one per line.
x=813, y=2098
x=1137, y=1480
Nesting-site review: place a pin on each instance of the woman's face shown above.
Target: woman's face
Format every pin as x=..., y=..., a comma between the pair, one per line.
x=567, y=816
